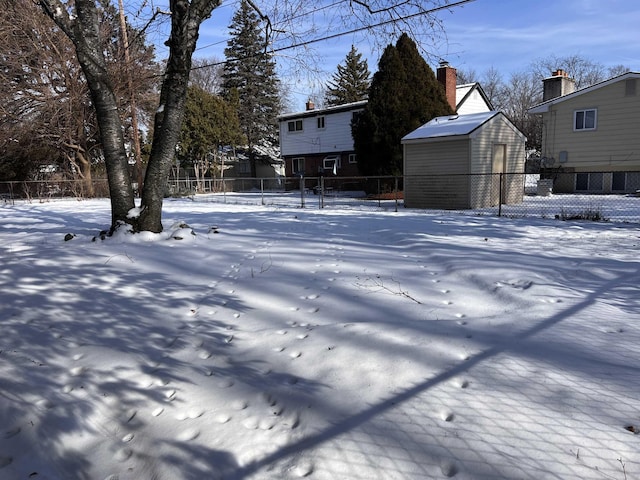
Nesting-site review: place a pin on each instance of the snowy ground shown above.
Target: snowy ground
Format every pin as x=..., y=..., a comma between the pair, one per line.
x=322, y=344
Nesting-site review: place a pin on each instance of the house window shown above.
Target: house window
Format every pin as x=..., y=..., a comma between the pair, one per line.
x=584, y=119
x=320, y=122
x=330, y=162
x=244, y=167
x=625, y=181
x=297, y=165
x=589, y=182
x=353, y=158
x=295, y=126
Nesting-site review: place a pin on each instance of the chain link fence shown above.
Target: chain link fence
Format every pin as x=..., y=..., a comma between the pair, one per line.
x=509, y=195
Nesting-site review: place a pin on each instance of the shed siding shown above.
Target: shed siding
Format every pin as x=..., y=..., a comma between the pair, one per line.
x=435, y=174
x=485, y=188
x=613, y=145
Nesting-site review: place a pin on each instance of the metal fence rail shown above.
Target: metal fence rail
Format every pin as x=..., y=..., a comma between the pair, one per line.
x=510, y=195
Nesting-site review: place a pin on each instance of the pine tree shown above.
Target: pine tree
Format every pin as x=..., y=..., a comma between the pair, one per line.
x=404, y=94
x=351, y=82
x=249, y=77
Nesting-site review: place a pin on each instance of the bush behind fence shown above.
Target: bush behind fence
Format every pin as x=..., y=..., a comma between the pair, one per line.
x=511, y=195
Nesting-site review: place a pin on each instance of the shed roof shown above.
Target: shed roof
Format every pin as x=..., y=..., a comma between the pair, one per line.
x=450, y=125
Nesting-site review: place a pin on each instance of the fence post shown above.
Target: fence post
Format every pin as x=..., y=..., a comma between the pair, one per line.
x=396, y=192
x=224, y=190
x=302, y=191
x=262, y=190
x=379, y=195
x=500, y=195
x=321, y=192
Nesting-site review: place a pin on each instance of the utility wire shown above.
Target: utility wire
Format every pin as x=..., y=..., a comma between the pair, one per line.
x=355, y=30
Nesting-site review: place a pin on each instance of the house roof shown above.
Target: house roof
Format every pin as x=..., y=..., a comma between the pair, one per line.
x=451, y=125
x=544, y=106
x=464, y=91
x=324, y=111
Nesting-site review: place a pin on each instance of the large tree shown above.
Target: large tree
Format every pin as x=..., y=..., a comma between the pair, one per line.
x=46, y=108
x=404, y=94
x=80, y=21
x=45, y=94
x=351, y=82
x=250, y=77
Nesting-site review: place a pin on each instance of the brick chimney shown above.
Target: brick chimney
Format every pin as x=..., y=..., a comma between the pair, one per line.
x=310, y=105
x=557, y=85
x=447, y=77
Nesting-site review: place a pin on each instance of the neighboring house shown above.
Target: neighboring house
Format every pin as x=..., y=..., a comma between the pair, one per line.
x=319, y=141
x=464, y=99
x=453, y=162
x=235, y=162
x=591, y=136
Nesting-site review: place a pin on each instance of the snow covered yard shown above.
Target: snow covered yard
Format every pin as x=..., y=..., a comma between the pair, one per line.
x=289, y=343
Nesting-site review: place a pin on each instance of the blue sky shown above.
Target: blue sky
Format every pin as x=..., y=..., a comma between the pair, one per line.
x=505, y=34
x=509, y=34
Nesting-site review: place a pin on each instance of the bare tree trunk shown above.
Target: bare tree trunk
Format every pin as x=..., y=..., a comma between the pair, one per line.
x=135, y=134
x=185, y=23
x=186, y=17
x=83, y=32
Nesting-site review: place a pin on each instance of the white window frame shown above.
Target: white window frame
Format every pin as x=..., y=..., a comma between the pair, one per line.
x=297, y=162
x=580, y=120
x=330, y=160
x=294, y=126
x=321, y=122
x=353, y=158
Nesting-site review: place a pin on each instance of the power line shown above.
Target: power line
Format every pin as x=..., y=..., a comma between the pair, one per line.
x=370, y=27
x=355, y=30
x=285, y=20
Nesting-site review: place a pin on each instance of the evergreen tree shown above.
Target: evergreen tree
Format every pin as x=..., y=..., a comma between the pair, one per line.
x=209, y=122
x=404, y=94
x=351, y=82
x=249, y=77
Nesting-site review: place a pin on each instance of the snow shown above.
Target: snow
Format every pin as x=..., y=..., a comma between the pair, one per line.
x=250, y=342
x=450, y=125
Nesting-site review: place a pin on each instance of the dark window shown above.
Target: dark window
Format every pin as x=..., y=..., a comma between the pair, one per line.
x=295, y=126
x=584, y=119
x=619, y=181
x=297, y=165
x=320, y=122
x=589, y=182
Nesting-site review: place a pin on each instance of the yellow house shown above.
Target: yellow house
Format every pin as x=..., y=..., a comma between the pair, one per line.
x=591, y=136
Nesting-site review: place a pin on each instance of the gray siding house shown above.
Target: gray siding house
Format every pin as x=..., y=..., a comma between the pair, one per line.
x=591, y=136
x=449, y=162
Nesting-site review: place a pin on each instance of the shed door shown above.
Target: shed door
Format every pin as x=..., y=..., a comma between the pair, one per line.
x=499, y=166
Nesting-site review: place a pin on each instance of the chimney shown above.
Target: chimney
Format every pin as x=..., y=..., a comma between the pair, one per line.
x=310, y=105
x=447, y=77
x=557, y=85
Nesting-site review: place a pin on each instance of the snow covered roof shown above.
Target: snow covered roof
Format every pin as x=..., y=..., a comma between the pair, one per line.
x=450, y=125
x=544, y=106
x=324, y=111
